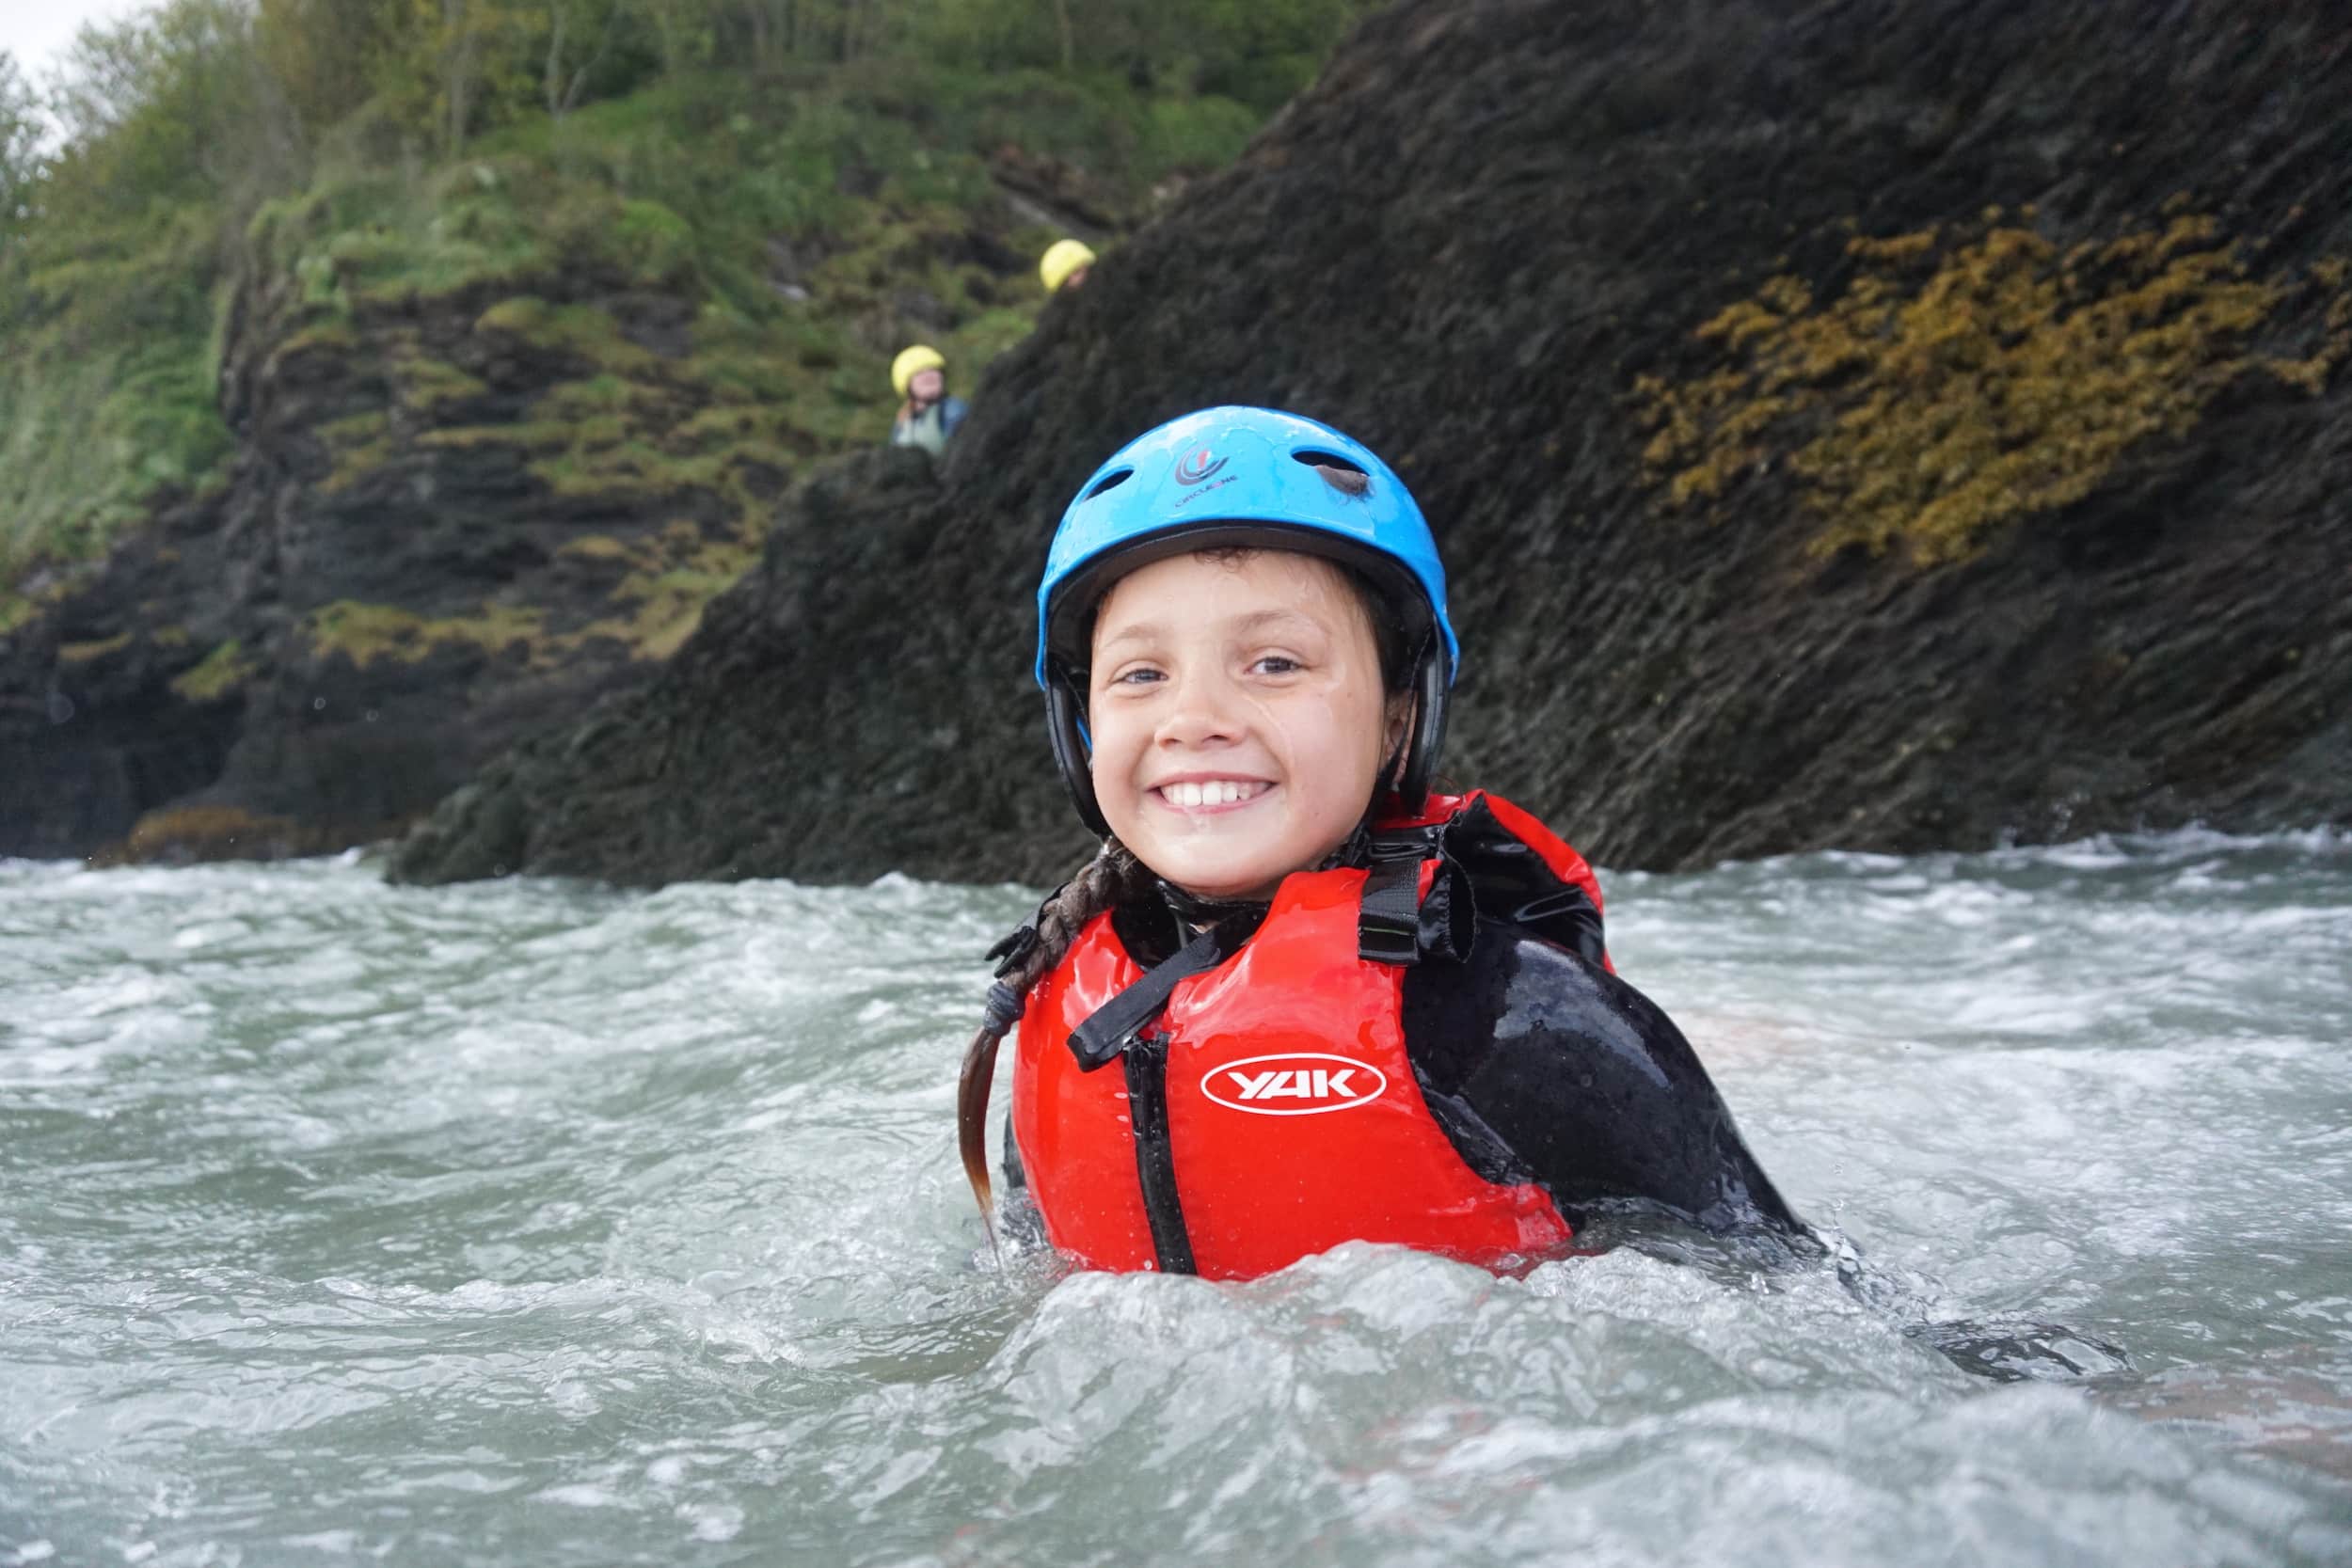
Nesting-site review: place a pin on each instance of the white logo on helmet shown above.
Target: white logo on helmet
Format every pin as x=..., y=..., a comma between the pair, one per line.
x=1295, y=1084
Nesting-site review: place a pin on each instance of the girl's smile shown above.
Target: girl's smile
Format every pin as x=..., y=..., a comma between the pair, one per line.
x=1238, y=717
x=1208, y=792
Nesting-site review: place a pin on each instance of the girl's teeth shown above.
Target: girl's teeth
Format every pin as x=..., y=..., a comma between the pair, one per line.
x=1216, y=792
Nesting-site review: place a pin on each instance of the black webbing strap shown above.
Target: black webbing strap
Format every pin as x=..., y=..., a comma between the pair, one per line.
x=1115, y=1023
x=1388, y=928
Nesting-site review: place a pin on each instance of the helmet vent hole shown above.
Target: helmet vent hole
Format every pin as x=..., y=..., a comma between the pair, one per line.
x=1347, y=478
x=1111, y=482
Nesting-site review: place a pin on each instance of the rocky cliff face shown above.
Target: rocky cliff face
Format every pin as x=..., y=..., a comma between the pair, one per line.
x=1882, y=425
x=1849, y=424
x=389, y=589
x=454, y=518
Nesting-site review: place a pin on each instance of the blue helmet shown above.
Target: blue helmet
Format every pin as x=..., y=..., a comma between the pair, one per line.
x=1240, y=476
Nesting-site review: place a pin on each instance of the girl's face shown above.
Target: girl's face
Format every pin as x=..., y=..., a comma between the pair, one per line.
x=1238, y=717
x=925, y=386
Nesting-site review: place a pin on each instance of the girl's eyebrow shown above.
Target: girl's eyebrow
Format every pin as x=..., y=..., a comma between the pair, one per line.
x=1140, y=631
x=1265, y=618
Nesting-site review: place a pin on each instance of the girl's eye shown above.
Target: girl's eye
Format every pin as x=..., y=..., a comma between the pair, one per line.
x=1142, y=676
x=1278, y=664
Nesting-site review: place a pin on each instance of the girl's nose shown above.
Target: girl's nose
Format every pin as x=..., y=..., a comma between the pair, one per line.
x=1202, y=714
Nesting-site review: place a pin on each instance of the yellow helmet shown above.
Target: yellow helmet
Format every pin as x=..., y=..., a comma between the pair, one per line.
x=1062, y=257
x=922, y=356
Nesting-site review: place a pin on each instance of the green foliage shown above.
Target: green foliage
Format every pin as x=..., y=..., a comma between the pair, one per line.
x=171, y=106
x=365, y=633
x=797, y=170
x=216, y=674
x=1256, y=53
x=106, y=394
x=23, y=165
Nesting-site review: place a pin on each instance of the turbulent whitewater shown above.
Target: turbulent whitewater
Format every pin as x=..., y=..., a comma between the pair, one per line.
x=530, y=1223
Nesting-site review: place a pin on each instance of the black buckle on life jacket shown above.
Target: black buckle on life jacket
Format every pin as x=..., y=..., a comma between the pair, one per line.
x=1013, y=948
x=1114, y=1026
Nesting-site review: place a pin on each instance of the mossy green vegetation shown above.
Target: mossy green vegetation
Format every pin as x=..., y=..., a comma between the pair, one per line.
x=659, y=605
x=359, y=444
x=107, y=383
x=425, y=386
x=662, y=583
x=92, y=650
x=1962, y=379
x=287, y=180
x=18, y=607
x=366, y=633
x=216, y=674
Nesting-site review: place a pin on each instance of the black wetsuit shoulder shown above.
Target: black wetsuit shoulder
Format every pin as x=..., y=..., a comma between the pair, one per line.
x=1540, y=1064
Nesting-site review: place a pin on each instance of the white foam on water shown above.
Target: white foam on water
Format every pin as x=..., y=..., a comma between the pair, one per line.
x=535, y=1223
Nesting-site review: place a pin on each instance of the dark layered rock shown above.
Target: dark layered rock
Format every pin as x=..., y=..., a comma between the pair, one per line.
x=386, y=591
x=1881, y=425
x=452, y=519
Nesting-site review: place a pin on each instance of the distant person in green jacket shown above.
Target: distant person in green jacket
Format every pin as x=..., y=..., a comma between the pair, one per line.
x=928, y=416
x=1064, y=265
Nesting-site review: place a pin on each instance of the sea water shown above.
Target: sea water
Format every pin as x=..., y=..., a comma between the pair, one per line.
x=537, y=1223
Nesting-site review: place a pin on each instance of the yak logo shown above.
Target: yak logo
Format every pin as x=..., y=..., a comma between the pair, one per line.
x=1297, y=1084
x=1193, y=469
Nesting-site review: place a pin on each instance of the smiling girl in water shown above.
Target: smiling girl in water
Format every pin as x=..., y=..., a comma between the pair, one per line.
x=1298, y=999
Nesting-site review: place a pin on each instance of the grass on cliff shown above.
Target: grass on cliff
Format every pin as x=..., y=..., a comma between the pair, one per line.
x=1958, y=382
x=663, y=582
x=107, y=387
x=802, y=215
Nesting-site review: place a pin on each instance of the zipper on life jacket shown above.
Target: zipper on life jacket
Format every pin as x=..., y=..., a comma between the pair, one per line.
x=1146, y=1061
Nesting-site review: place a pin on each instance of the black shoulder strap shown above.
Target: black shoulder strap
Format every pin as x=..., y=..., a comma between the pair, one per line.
x=1114, y=1026
x=1388, y=926
x=1396, y=925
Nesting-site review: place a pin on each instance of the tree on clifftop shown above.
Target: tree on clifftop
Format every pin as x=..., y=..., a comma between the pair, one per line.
x=23, y=167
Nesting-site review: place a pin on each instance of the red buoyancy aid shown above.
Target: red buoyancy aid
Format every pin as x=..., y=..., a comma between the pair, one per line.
x=1278, y=1085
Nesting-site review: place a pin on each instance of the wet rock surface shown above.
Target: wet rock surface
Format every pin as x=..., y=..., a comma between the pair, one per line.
x=385, y=593
x=1511, y=246
x=451, y=520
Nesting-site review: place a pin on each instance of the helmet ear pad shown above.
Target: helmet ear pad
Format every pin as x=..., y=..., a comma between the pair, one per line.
x=1430, y=684
x=1065, y=725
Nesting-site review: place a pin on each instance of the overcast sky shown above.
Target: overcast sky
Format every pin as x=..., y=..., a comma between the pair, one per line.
x=37, y=31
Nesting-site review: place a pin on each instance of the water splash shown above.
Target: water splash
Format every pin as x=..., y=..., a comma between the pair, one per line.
x=535, y=1222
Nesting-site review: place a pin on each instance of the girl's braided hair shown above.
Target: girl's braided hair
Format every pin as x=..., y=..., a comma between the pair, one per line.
x=1110, y=879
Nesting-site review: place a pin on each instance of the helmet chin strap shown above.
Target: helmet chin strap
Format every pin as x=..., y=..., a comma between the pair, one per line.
x=1064, y=726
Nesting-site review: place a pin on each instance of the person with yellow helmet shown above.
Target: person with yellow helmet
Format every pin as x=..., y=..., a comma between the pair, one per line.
x=1064, y=265
x=928, y=416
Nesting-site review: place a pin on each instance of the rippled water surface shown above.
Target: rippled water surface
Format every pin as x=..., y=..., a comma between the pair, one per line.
x=535, y=1224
